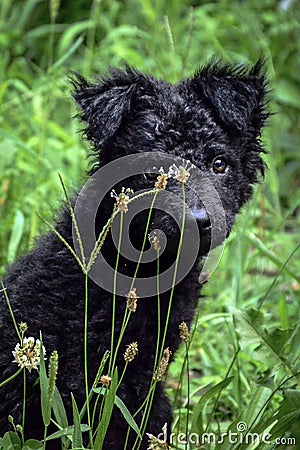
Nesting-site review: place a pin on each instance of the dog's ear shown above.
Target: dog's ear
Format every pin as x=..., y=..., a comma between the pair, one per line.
x=105, y=104
x=235, y=95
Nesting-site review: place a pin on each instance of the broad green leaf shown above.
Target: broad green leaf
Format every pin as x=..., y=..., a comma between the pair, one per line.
x=197, y=421
x=288, y=415
x=32, y=444
x=255, y=406
x=268, y=347
x=11, y=441
x=59, y=409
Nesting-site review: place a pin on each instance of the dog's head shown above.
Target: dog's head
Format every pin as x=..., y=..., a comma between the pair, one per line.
x=213, y=119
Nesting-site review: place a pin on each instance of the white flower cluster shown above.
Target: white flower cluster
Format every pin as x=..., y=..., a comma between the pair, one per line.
x=181, y=173
x=27, y=354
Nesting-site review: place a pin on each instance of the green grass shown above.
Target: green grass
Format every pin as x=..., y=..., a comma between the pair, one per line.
x=260, y=266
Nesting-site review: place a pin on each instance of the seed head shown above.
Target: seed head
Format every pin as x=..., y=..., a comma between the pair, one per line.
x=54, y=7
x=163, y=366
x=184, y=332
x=162, y=180
x=27, y=354
x=105, y=380
x=53, y=369
x=132, y=300
x=23, y=327
x=131, y=352
x=154, y=241
x=122, y=199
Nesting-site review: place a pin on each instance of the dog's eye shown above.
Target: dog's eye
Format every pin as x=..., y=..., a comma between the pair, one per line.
x=219, y=164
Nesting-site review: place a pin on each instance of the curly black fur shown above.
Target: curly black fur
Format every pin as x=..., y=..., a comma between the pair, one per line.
x=218, y=112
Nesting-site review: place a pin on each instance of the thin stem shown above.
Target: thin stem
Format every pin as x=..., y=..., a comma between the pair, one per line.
x=95, y=409
x=179, y=392
x=105, y=229
x=219, y=393
x=158, y=314
x=122, y=376
x=111, y=360
x=51, y=44
x=153, y=382
x=101, y=412
x=101, y=239
x=145, y=238
x=11, y=311
x=144, y=404
x=128, y=313
x=175, y=268
x=266, y=252
x=151, y=392
x=74, y=221
x=188, y=392
x=24, y=400
x=62, y=239
x=8, y=380
x=91, y=34
x=270, y=397
x=144, y=422
x=180, y=382
x=45, y=437
x=189, y=43
x=96, y=380
x=123, y=328
x=149, y=399
x=85, y=351
x=278, y=275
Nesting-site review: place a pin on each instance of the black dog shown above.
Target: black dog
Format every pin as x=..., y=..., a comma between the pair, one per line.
x=214, y=120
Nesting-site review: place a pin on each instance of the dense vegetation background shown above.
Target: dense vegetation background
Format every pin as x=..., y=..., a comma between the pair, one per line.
x=248, y=323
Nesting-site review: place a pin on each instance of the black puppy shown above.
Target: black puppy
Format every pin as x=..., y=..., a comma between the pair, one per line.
x=214, y=120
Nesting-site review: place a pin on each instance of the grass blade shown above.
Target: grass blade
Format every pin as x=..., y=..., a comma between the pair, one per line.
x=16, y=236
x=107, y=411
x=77, y=435
x=59, y=409
x=124, y=410
x=44, y=385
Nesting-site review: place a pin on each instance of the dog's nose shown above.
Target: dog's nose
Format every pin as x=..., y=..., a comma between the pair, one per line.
x=202, y=218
